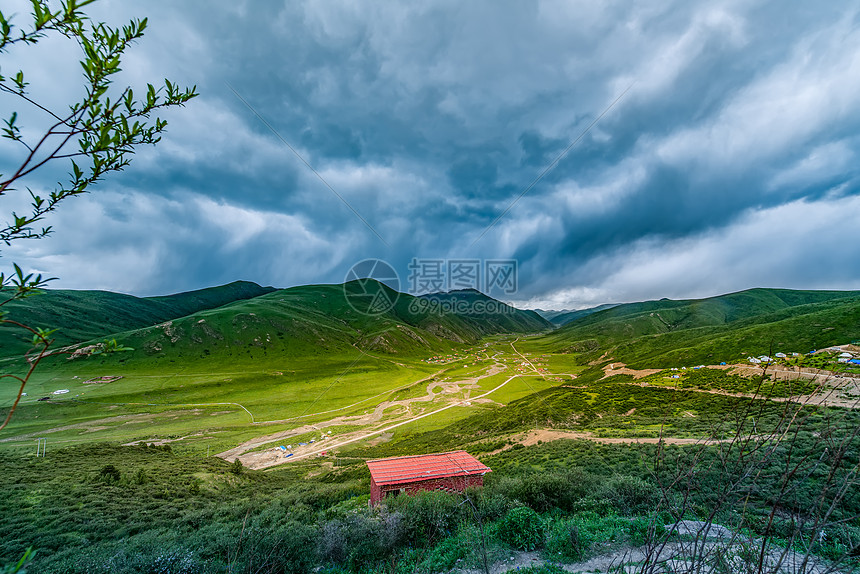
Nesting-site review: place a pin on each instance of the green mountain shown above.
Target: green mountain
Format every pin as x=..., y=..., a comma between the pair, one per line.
x=85, y=315
x=724, y=328
x=487, y=315
x=317, y=320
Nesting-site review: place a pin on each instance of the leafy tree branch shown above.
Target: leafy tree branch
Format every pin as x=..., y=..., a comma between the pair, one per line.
x=96, y=134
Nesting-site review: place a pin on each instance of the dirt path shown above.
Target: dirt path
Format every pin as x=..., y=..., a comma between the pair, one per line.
x=622, y=369
x=274, y=456
x=699, y=546
x=434, y=390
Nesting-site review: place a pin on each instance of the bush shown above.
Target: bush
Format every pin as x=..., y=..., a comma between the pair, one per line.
x=492, y=506
x=545, y=491
x=151, y=560
x=444, y=555
x=109, y=474
x=630, y=494
x=362, y=540
x=294, y=550
x=643, y=530
x=523, y=529
x=429, y=516
x=579, y=537
x=566, y=540
x=140, y=477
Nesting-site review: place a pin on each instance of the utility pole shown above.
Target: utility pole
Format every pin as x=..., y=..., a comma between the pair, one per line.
x=41, y=446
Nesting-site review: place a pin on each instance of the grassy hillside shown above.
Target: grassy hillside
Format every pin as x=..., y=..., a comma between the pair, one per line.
x=725, y=328
x=84, y=315
x=297, y=352
x=309, y=321
x=487, y=315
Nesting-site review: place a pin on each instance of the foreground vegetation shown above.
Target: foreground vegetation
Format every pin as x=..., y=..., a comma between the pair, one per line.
x=107, y=508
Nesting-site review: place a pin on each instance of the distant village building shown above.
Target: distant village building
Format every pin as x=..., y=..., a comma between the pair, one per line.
x=449, y=471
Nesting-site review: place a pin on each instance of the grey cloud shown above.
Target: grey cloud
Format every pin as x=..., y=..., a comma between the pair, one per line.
x=430, y=119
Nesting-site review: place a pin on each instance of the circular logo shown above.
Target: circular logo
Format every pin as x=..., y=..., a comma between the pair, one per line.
x=371, y=287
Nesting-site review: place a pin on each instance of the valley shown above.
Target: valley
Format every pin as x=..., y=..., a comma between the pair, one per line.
x=284, y=395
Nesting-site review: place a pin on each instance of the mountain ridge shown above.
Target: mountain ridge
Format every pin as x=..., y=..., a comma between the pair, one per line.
x=82, y=315
x=720, y=328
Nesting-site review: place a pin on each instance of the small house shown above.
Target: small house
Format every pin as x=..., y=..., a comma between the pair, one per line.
x=449, y=471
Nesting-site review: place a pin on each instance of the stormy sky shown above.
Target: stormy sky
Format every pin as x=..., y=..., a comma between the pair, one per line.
x=686, y=149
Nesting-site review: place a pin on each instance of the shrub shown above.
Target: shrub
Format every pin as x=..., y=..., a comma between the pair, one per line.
x=579, y=537
x=630, y=494
x=566, y=540
x=643, y=530
x=109, y=474
x=444, y=555
x=429, y=516
x=294, y=550
x=545, y=491
x=361, y=540
x=140, y=477
x=492, y=506
x=237, y=468
x=523, y=529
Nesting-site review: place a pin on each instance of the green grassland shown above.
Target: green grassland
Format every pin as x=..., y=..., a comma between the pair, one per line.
x=196, y=397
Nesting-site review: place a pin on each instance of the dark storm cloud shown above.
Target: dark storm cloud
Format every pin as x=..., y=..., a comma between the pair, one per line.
x=734, y=145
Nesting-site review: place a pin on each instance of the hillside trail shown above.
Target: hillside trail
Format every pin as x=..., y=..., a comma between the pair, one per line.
x=834, y=390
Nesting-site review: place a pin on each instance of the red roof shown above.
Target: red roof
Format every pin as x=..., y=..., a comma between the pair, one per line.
x=424, y=467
